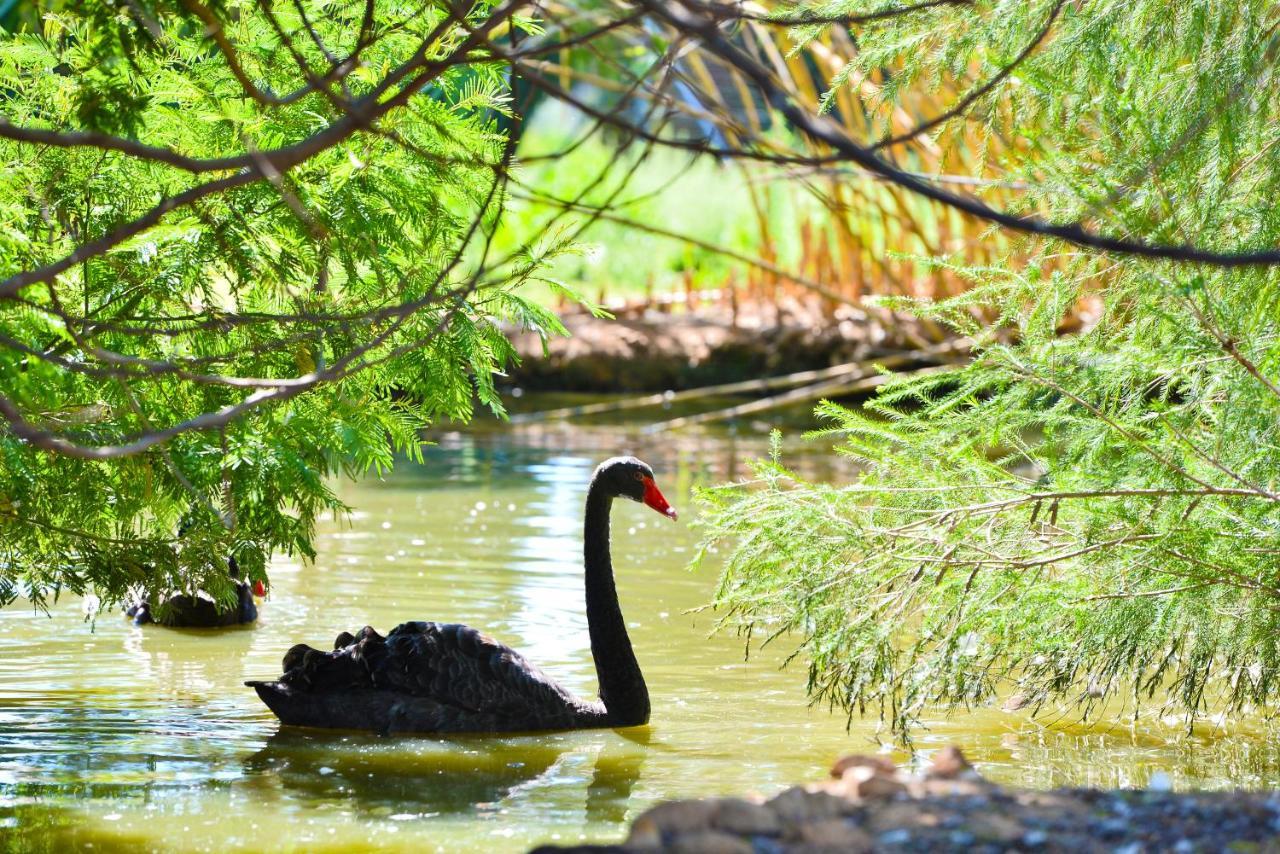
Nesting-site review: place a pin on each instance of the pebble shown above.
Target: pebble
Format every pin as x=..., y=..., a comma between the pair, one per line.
x=796, y=806
x=902, y=814
x=878, y=764
x=1034, y=838
x=874, y=787
x=836, y=833
x=767, y=845
x=710, y=842
x=1016, y=703
x=746, y=819
x=894, y=837
x=653, y=827
x=1112, y=827
x=948, y=764
x=994, y=826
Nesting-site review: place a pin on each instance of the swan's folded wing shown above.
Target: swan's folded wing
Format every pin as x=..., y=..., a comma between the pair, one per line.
x=458, y=665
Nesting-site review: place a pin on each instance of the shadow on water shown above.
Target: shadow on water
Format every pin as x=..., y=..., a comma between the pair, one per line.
x=427, y=777
x=408, y=775
x=615, y=777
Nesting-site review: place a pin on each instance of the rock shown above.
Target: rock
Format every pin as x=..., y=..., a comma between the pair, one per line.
x=989, y=826
x=1034, y=838
x=1112, y=828
x=664, y=821
x=1049, y=806
x=1016, y=702
x=643, y=835
x=796, y=806
x=965, y=788
x=880, y=764
x=894, y=816
x=868, y=780
x=837, y=834
x=868, y=783
x=746, y=819
x=870, y=807
x=894, y=837
x=948, y=764
x=710, y=842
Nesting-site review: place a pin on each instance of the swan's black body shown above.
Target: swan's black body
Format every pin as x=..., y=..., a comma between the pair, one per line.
x=423, y=677
x=444, y=677
x=198, y=612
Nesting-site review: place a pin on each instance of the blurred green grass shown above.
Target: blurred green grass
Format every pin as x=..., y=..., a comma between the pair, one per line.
x=698, y=197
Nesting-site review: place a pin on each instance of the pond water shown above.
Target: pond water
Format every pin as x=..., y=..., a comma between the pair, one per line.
x=113, y=736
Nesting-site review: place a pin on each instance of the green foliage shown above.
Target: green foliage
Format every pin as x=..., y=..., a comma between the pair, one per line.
x=1088, y=520
x=668, y=189
x=362, y=254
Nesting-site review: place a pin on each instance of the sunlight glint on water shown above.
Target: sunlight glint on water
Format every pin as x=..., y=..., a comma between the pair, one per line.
x=125, y=737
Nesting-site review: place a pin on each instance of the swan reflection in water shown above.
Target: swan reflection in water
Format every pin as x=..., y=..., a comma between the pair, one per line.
x=373, y=775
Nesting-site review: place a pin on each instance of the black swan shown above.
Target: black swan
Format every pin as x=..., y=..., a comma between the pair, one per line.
x=444, y=677
x=199, y=612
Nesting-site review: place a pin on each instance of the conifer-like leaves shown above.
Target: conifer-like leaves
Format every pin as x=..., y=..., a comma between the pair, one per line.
x=361, y=265
x=1089, y=520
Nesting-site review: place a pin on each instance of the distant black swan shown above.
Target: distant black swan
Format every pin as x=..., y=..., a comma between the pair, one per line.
x=444, y=677
x=181, y=610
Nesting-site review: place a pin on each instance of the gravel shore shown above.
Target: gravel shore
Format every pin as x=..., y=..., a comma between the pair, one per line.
x=869, y=805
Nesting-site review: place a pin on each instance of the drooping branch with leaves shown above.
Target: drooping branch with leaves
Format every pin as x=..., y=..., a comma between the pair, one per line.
x=250, y=245
x=1075, y=522
x=256, y=258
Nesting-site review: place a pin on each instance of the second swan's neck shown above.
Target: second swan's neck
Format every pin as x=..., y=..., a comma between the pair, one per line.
x=622, y=688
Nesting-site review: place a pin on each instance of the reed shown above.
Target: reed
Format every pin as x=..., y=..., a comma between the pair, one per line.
x=849, y=232
x=867, y=237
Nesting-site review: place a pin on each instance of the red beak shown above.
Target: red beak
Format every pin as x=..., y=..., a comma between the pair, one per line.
x=654, y=498
x=259, y=589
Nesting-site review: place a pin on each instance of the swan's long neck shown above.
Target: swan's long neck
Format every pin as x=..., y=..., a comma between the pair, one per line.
x=622, y=688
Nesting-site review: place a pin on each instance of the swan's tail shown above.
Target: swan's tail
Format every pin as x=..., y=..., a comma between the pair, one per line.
x=279, y=699
x=349, y=709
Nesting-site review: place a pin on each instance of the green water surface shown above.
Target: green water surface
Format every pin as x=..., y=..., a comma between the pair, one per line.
x=117, y=737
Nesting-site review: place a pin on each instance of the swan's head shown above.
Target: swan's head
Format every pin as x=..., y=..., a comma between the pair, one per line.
x=627, y=477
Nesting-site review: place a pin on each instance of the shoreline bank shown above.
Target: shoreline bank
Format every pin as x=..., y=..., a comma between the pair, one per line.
x=870, y=805
x=652, y=350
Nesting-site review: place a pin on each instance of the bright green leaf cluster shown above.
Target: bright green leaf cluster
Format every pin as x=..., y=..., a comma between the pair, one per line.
x=363, y=257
